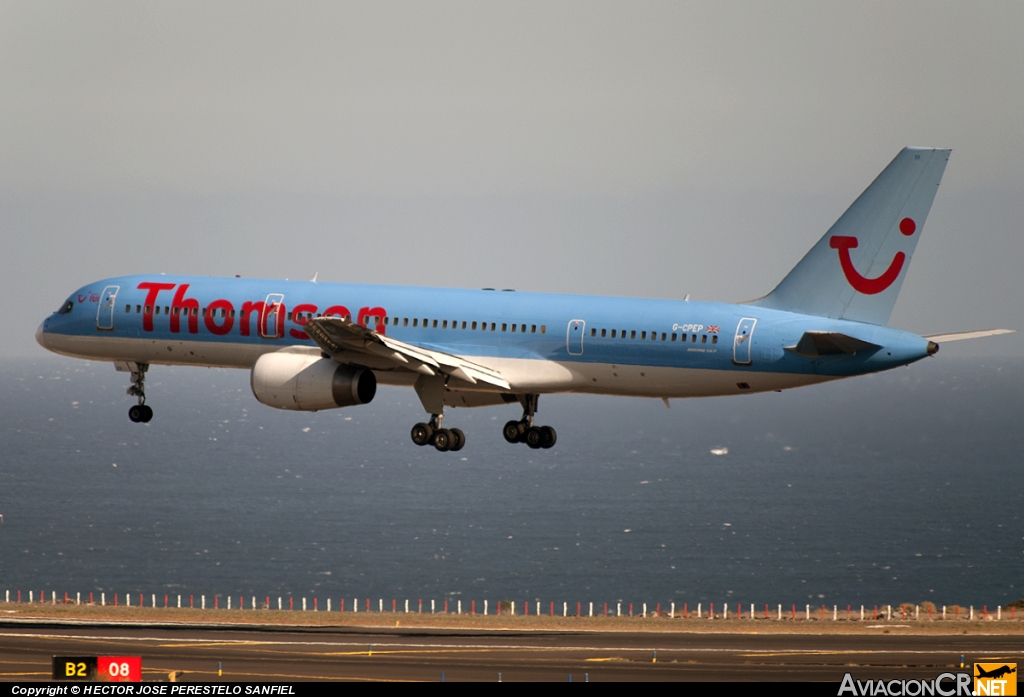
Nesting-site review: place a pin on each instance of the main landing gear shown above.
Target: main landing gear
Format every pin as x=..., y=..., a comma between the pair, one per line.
x=441, y=438
x=140, y=413
x=523, y=431
x=431, y=390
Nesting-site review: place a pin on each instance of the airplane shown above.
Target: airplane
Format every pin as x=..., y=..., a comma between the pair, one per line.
x=995, y=672
x=312, y=346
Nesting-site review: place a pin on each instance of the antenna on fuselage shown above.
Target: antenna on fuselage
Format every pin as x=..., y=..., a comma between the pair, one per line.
x=313, y=280
x=686, y=298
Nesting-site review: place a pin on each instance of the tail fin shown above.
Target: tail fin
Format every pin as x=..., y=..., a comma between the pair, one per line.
x=856, y=270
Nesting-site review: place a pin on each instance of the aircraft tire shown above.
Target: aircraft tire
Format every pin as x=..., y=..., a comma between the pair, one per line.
x=422, y=433
x=443, y=440
x=147, y=413
x=533, y=437
x=137, y=414
x=513, y=431
x=548, y=437
x=458, y=440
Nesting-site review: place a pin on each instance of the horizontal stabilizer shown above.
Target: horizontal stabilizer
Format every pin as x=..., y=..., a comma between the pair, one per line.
x=820, y=344
x=958, y=336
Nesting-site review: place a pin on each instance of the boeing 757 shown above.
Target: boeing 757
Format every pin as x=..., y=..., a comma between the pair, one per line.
x=312, y=346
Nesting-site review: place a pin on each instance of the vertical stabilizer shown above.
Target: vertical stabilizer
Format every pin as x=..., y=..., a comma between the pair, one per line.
x=856, y=270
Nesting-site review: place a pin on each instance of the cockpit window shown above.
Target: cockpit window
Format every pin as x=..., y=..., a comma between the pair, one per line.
x=66, y=308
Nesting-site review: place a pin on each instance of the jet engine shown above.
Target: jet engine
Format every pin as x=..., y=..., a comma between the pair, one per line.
x=307, y=382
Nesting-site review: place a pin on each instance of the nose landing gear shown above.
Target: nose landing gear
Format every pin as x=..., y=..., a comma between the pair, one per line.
x=141, y=412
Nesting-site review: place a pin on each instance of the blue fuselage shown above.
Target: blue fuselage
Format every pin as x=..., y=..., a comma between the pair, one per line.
x=232, y=321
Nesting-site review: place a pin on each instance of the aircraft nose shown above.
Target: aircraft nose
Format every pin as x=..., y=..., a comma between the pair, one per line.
x=41, y=334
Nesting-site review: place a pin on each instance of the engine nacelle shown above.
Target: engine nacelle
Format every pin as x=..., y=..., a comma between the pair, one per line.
x=307, y=382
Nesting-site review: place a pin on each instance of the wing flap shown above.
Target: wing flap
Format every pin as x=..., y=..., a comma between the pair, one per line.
x=335, y=335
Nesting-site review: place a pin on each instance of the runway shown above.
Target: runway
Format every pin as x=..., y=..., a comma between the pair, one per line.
x=358, y=654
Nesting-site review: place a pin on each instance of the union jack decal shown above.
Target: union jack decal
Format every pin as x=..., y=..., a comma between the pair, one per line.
x=713, y=329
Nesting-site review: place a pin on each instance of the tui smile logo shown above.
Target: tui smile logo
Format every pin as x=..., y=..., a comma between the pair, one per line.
x=862, y=284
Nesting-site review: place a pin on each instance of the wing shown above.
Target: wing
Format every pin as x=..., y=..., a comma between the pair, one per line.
x=347, y=342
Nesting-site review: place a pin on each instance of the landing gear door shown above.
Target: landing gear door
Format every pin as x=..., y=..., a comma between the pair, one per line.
x=574, y=337
x=741, y=343
x=105, y=311
x=272, y=317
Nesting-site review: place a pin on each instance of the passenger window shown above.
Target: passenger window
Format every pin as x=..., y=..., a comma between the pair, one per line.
x=543, y=329
x=613, y=333
x=663, y=336
x=643, y=335
x=693, y=338
x=444, y=324
x=415, y=321
x=604, y=333
x=632, y=334
x=127, y=308
x=434, y=325
x=593, y=332
x=673, y=336
x=703, y=338
x=494, y=326
x=473, y=326
x=463, y=325
x=513, y=329
x=503, y=326
x=714, y=338
x=138, y=309
x=533, y=329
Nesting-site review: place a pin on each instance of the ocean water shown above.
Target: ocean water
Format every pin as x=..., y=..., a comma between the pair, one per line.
x=890, y=488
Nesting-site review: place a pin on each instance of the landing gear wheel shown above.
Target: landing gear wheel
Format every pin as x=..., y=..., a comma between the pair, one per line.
x=548, y=437
x=422, y=433
x=443, y=440
x=513, y=431
x=140, y=413
x=533, y=437
x=458, y=440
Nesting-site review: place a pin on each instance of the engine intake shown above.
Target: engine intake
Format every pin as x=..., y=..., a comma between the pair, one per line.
x=304, y=382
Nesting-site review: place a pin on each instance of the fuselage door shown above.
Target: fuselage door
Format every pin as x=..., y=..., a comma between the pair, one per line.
x=574, y=337
x=105, y=310
x=741, y=343
x=272, y=317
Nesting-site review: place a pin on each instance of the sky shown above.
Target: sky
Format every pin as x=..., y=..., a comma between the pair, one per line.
x=643, y=149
